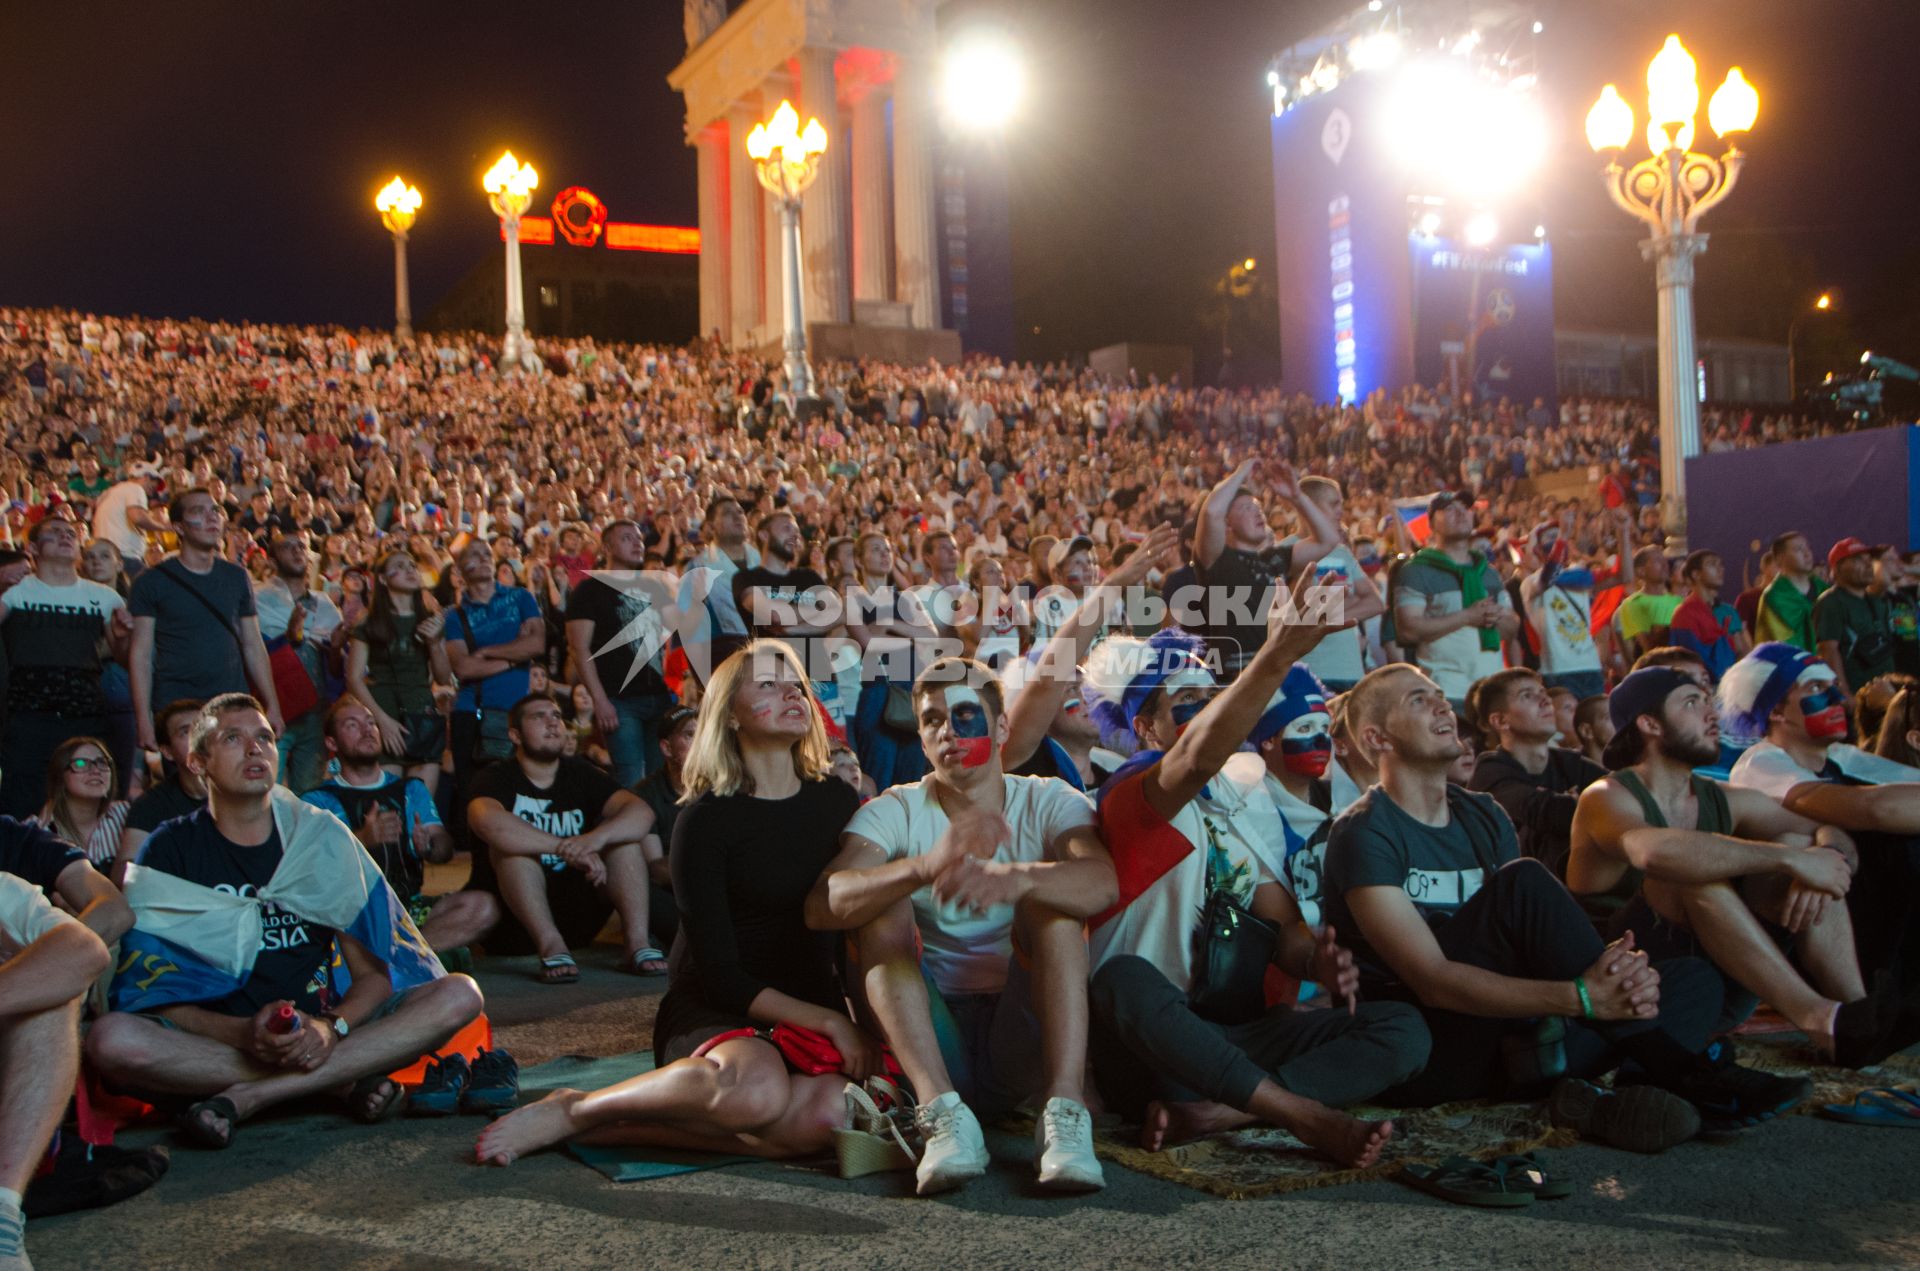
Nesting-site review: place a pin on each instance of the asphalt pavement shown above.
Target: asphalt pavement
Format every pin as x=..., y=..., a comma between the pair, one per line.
x=314, y=1190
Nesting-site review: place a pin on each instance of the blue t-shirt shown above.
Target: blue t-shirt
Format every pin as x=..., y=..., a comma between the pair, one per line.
x=406, y=796
x=294, y=953
x=479, y=626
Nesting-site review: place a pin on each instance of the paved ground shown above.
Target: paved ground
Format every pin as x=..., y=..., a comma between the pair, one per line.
x=321, y=1192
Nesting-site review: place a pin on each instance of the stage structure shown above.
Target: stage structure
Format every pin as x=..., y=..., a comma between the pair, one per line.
x=896, y=263
x=1410, y=247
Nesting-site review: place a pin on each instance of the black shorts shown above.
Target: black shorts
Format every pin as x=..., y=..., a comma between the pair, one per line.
x=580, y=910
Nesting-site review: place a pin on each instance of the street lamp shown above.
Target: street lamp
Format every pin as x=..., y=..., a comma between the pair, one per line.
x=398, y=203
x=1235, y=284
x=1821, y=305
x=787, y=158
x=1670, y=191
x=509, y=184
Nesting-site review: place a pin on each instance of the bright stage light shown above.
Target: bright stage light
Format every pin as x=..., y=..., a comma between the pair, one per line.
x=1481, y=229
x=1273, y=79
x=984, y=81
x=1539, y=231
x=1461, y=133
x=1370, y=52
x=1429, y=224
x=1538, y=27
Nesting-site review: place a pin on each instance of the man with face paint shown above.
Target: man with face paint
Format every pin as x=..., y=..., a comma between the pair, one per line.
x=1184, y=827
x=968, y=892
x=1534, y=781
x=1696, y=868
x=1295, y=738
x=1782, y=703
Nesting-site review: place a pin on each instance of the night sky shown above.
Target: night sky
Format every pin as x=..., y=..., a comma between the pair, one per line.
x=218, y=159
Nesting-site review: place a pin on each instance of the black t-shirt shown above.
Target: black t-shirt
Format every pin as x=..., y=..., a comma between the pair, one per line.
x=1539, y=805
x=34, y=855
x=1252, y=575
x=611, y=610
x=570, y=806
x=780, y=595
x=742, y=868
x=293, y=954
x=1376, y=844
x=161, y=804
x=195, y=653
x=665, y=802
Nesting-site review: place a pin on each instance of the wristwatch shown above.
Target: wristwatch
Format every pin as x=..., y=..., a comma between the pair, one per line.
x=340, y=1027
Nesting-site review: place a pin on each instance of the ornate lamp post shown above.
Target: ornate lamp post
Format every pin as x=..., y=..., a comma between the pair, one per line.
x=510, y=184
x=1670, y=191
x=787, y=158
x=398, y=203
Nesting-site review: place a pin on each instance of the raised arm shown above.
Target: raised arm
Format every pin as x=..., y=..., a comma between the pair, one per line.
x=1211, y=536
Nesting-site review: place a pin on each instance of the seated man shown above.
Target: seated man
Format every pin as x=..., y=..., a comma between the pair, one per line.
x=395, y=820
x=1592, y=728
x=562, y=849
x=180, y=793
x=1696, y=868
x=994, y=877
x=1783, y=704
x=1427, y=880
x=1534, y=781
x=1183, y=831
x=48, y=962
x=224, y=992
x=62, y=871
x=1295, y=738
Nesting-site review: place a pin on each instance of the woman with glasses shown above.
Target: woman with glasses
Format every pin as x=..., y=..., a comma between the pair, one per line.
x=394, y=659
x=80, y=805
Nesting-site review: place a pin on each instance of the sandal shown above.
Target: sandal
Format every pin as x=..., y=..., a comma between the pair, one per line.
x=371, y=1110
x=1465, y=1182
x=197, y=1126
x=1527, y=1172
x=559, y=969
x=638, y=961
x=1884, y=1105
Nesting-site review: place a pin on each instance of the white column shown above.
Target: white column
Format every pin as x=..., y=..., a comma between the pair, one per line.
x=402, y=302
x=915, y=252
x=710, y=151
x=872, y=199
x=744, y=229
x=773, y=321
x=1672, y=256
x=824, y=222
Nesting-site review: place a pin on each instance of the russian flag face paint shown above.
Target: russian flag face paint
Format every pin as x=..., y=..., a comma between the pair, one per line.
x=968, y=722
x=1306, y=745
x=1825, y=714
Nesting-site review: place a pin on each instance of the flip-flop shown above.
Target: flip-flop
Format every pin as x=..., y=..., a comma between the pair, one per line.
x=1885, y=1105
x=568, y=970
x=373, y=1113
x=198, y=1131
x=1465, y=1182
x=1527, y=1172
x=637, y=961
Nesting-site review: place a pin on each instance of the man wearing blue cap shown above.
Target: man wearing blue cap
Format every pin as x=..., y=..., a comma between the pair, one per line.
x=1697, y=869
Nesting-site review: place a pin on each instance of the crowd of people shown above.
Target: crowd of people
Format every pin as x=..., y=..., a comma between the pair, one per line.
x=1213, y=757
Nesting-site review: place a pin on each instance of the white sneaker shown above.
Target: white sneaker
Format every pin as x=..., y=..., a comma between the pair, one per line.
x=1063, y=1148
x=954, y=1150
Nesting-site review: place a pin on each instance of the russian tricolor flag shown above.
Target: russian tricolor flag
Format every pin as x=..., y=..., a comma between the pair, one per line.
x=1413, y=515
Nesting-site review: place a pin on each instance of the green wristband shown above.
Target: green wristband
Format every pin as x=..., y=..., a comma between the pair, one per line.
x=1586, y=999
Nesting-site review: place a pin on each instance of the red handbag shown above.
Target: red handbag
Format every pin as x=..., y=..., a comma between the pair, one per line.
x=291, y=683
x=809, y=1053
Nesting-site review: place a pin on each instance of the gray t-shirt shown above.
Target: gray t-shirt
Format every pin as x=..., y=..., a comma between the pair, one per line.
x=195, y=654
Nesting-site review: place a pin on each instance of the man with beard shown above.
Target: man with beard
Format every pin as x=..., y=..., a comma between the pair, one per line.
x=1427, y=881
x=775, y=596
x=619, y=662
x=1700, y=869
x=562, y=849
x=292, y=611
x=395, y=820
x=1534, y=781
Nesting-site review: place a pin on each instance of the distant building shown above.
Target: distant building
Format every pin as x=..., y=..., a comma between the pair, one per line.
x=643, y=296
x=1611, y=364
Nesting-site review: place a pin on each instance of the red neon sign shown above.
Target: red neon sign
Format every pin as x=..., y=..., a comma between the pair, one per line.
x=679, y=240
x=533, y=230
x=578, y=214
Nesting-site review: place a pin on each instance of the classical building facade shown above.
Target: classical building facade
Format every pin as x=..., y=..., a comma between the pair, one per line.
x=865, y=69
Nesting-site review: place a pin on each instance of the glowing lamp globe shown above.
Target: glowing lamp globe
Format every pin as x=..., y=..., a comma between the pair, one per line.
x=1734, y=107
x=1610, y=122
x=1673, y=94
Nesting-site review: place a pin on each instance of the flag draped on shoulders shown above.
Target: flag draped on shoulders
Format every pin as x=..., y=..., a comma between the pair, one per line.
x=191, y=943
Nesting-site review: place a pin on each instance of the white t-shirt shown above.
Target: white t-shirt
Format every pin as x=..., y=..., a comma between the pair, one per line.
x=1563, y=620
x=1337, y=658
x=966, y=952
x=1238, y=845
x=25, y=914
x=110, y=517
x=275, y=605
x=32, y=592
x=1767, y=768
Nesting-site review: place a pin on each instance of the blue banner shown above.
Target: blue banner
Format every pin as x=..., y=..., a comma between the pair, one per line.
x=1484, y=316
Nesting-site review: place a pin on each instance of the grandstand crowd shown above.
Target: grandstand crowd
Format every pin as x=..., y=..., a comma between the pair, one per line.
x=1213, y=757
